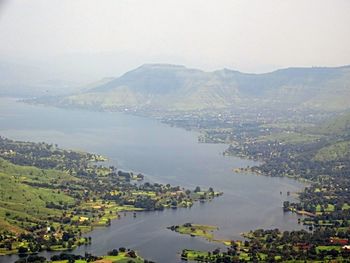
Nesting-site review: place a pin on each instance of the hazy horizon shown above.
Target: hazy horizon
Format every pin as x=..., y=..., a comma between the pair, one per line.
x=88, y=40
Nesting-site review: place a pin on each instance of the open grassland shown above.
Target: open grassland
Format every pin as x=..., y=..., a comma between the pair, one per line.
x=22, y=204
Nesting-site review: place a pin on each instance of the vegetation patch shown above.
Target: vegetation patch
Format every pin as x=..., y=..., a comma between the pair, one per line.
x=204, y=231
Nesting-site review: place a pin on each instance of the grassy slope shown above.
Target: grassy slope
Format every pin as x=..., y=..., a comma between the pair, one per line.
x=21, y=203
x=339, y=148
x=339, y=125
x=337, y=130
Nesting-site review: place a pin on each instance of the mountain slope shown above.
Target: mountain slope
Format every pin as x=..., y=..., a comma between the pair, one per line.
x=338, y=147
x=172, y=87
x=337, y=126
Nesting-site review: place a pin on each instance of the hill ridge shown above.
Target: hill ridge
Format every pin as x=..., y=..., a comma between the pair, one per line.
x=176, y=87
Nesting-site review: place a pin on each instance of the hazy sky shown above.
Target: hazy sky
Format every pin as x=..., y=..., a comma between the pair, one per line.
x=248, y=35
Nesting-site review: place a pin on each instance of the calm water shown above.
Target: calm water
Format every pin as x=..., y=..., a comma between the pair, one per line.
x=165, y=155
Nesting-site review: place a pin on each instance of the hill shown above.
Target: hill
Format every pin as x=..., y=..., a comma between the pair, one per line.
x=173, y=87
x=338, y=148
x=338, y=126
x=21, y=201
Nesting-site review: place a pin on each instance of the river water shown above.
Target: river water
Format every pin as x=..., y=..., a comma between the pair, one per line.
x=165, y=155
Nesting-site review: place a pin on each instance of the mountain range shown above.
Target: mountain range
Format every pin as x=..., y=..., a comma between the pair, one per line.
x=174, y=87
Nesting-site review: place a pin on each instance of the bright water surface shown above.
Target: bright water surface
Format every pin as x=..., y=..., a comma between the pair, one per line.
x=165, y=155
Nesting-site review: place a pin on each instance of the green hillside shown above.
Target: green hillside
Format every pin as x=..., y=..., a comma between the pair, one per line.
x=21, y=202
x=172, y=87
x=338, y=125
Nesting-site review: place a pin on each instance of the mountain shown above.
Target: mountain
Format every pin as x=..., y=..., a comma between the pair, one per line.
x=173, y=87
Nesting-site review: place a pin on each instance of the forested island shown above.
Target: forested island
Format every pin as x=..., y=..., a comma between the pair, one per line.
x=50, y=198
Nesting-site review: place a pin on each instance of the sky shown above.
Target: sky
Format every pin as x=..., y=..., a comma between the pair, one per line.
x=112, y=36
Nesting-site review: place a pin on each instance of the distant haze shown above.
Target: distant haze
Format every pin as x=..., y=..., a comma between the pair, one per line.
x=90, y=39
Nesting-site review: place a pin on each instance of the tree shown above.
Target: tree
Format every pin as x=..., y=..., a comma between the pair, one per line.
x=22, y=250
x=114, y=252
x=286, y=205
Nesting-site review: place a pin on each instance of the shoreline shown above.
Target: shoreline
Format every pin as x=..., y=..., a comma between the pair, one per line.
x=181, y=128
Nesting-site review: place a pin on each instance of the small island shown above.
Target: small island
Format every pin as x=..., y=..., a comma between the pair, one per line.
x=197, y=230
x=204, y=231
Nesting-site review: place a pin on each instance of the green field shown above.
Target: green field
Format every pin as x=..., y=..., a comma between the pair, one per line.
x=22, y=204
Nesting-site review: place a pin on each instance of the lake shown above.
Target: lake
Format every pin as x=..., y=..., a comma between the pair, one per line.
x=166, y=155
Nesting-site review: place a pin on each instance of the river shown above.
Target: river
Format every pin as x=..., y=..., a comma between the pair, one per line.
x=165, y=155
